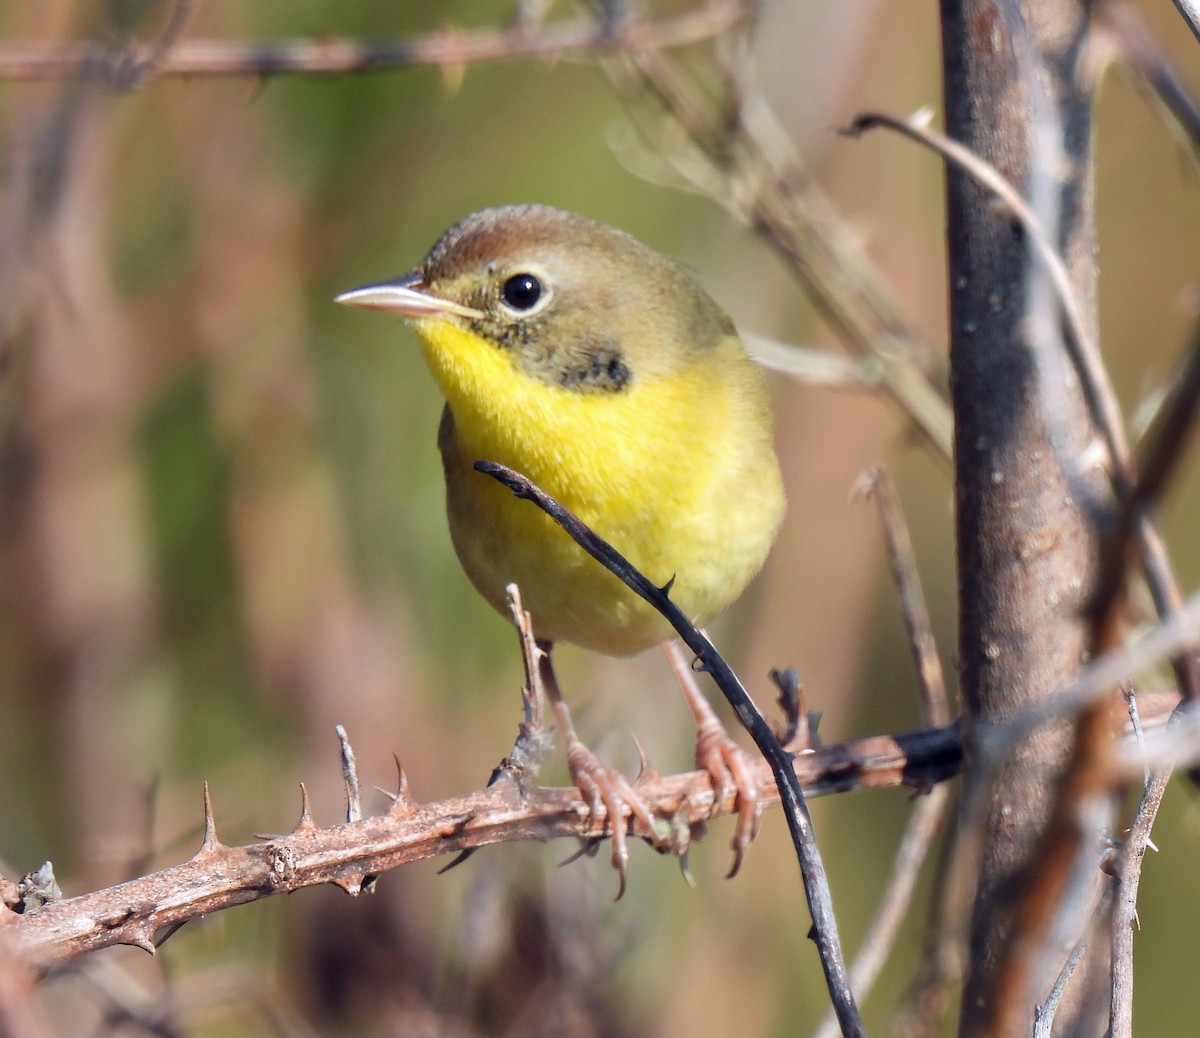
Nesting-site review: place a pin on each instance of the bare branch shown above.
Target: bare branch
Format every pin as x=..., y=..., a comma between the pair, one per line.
x=447, y=48
x=217, y=877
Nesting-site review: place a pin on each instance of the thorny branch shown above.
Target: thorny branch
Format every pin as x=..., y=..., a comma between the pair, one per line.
x=351, y=854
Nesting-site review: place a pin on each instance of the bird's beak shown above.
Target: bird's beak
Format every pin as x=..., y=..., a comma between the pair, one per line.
x=407, y=296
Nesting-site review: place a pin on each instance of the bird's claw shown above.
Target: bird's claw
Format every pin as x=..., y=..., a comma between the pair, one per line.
x=603, y=789
x=732, y=772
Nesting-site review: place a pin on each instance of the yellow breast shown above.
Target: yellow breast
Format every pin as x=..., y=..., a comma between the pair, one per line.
x=677, y=473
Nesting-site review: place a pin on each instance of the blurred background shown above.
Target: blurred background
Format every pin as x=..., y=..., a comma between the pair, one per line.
x=222, y=531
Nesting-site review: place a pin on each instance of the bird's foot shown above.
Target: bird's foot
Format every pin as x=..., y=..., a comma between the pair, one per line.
x=608, y=791
x=732, y=772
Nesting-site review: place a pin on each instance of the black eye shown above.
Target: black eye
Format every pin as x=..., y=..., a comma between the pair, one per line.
x=522, y=291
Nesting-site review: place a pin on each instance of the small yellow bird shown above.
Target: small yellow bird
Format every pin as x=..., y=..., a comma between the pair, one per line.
x=573, y=353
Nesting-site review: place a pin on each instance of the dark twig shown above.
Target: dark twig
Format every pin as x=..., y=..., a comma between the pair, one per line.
x=1162, y=448
x=816, y=886
x=791, y=704
x=443, y=49
x=1190, y=10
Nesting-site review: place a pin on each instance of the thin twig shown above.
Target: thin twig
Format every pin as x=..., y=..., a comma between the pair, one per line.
x=1144, y=55
x=815, y=367
x=935, y=707
x=1160, y=579
x=1129, y=876
x=816, y=885
x=929, y=814
x=137, y=72
x=1101, y=401
x=733, y=151
x=446, y=48
x=1043, y=1014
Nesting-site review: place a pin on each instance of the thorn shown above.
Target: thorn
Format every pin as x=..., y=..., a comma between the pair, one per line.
x=647, y=772
x=685, y=869
x=210, y=844
x=402, y=804
x=458, y=860
x=587, y=849
x=666, y=588
x=306, y=822
x=140, y=937
x=349, y=777
x=352, y=884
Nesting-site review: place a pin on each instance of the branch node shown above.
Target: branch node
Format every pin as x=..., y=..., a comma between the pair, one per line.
x=281, y=864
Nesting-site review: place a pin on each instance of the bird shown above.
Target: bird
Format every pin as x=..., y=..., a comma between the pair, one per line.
x=598, y=368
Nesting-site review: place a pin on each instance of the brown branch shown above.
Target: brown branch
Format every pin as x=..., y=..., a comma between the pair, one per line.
x=141, y=911
x=446, y=48
x=348, y=855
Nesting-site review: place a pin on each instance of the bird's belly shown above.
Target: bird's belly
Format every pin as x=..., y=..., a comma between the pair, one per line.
x=708, y=541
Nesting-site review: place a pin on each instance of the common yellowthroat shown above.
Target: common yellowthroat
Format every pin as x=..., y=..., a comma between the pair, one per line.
x=573, y=353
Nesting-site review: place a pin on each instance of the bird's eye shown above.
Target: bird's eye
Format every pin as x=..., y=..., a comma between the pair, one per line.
x=522, y=292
